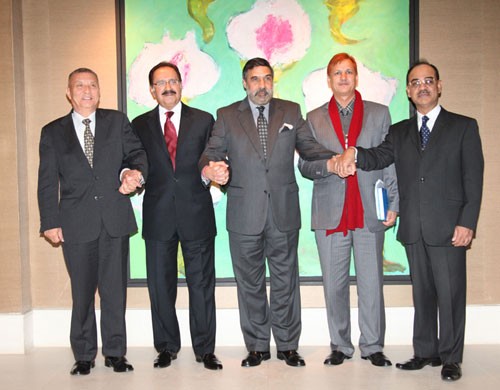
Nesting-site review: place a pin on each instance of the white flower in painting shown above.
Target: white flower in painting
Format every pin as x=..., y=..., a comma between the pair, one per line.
x=372, y=86
x=278, y=30
x=198, y=70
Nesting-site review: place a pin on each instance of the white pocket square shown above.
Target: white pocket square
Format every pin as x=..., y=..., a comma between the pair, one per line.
x=285, y=127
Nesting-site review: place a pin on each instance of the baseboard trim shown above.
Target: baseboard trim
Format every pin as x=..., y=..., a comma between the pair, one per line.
x=50, y=328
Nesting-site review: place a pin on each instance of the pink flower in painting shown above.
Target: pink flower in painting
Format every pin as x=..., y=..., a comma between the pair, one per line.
x=186, y=54
x=274, y=35
x=278, y=30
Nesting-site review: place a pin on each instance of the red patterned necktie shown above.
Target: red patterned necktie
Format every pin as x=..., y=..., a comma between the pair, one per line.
x=170, y=137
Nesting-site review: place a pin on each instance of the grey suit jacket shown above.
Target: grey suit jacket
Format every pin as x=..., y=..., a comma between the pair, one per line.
x=80, y=199
x=329, y=189
x=256, y=182
x=441, y=187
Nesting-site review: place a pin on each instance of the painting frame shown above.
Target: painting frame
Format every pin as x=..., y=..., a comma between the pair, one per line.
x=123, y=105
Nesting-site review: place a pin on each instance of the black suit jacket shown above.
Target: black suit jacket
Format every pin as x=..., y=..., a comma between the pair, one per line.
x=78, y=198
x=440, y=187
x=176, y=202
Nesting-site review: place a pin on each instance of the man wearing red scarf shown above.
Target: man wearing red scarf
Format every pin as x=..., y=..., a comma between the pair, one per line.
x=344, y=214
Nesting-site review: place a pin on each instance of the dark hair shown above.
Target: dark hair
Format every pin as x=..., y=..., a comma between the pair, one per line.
x=422, y=62
x=163, y=64
x=254, y=62
x=82, y=70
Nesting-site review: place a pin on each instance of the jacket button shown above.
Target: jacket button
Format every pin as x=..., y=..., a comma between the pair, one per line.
x=422, y=179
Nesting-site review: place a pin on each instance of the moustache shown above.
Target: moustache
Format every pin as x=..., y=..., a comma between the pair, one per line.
x=168, y=92
x=423, y=92
x=262, y=90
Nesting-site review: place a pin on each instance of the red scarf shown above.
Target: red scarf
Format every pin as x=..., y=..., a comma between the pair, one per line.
x=352, y=214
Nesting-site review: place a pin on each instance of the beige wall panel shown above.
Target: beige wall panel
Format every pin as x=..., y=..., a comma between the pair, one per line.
x=62, y=35
x=10, y=256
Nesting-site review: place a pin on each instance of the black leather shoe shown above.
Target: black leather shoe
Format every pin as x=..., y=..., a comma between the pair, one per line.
x=82, y=367
x=336, y=358
x=119, y=364
x=164, y=359
x=417, y=363
x=210, y=361
x=378, y=359
x=292, y=358
x=254, y=358
x=451, y=372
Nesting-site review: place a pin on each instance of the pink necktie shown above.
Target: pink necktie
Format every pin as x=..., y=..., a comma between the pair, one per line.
x=170, y=137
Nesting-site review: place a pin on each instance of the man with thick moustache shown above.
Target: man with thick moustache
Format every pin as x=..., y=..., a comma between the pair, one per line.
x=84, y=206
x=177, y=208
x=439, y=163
x=258, y=136
x=344, y=216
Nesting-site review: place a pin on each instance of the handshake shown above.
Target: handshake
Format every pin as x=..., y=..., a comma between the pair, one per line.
x=343, y=164
x=216, y=171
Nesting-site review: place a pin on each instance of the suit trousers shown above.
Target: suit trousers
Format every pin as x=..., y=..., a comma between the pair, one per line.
x=335, y=258
x=162, y=270
x=438, y=276
x=98, y=265
x=282, y=312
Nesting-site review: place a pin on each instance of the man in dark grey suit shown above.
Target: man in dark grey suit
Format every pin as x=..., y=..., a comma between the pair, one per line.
x=439, y=163
x=258, y=136
x=177, y=208
x=85, y=206
x=344, y=215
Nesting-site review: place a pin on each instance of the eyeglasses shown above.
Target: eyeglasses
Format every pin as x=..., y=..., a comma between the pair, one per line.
x=417, y=82
x=171, y=82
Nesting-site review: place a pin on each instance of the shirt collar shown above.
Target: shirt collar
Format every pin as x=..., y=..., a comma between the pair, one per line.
x=347, y=110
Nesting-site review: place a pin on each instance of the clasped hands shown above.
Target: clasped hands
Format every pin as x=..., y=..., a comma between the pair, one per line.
x=131, y=180
x=343, y=164
x=216, y=171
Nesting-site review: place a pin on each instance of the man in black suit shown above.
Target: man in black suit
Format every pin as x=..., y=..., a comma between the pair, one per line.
x=177, y=208
x=439, y=164
x=84, y=205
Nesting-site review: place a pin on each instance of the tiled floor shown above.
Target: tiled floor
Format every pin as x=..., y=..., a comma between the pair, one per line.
x=48, y=368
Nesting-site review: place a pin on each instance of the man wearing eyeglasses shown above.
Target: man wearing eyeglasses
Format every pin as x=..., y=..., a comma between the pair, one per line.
x=439, y=164
x=177, y=208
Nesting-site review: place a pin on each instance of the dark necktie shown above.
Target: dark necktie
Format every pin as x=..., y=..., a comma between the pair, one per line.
x=170, y=137
x=88, y=142
x=425, y=132
x=262, y=128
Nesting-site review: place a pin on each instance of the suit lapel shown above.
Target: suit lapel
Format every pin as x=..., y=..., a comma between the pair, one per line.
x=276, y=116
x=325, y=131
x=184, y=126
x=101, y=136
x=154, y=126
x=438, y=129
x=414, y=133
x=248, y=124
x=69, y=134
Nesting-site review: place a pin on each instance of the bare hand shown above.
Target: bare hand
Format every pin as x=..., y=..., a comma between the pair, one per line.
x=131, y=180
x=217, y=171
x=345, y=163
x=331, y=164
x=391, y=218
x=462, y=236
x=54, y=235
